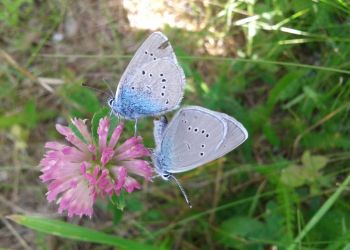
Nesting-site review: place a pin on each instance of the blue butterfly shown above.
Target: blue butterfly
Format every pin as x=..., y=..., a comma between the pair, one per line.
x=152, y=84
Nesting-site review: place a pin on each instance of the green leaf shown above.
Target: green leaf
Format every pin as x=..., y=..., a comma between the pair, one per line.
x=81, y=100
x=119, y=201
x=315, y=162
x=75, y=232
x=28, y=117
x=76, y=132
x=239, y=229
x=293, y=176
x=296, y=176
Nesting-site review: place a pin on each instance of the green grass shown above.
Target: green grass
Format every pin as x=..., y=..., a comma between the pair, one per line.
x=280, y=67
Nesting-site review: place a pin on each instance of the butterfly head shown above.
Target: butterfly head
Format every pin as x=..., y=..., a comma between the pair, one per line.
x=110, y=102
x=165, y=176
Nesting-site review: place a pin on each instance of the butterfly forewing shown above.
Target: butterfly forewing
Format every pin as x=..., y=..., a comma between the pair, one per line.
x=192, y=139
x=156, y=46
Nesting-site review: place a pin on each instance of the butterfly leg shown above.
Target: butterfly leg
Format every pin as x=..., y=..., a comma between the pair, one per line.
x=135, y=128
x=155, y=176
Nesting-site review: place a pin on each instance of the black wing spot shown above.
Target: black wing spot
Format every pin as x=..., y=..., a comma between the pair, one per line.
x=207, y=135
x=164, y=80
x=203, y=131
x=154, y=58
x=161, y=74
x=189, y=128
x=202, y=145
x=150, y=75
x=201, y=153
x=167, y=102
x=146, y=52
x=162, y=94
x=151, y=54
x=143, y=72
x=196, y=129
x=163, y=87
x=132, y=87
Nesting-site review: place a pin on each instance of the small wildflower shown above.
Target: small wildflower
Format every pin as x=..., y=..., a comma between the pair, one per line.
x=78, y=173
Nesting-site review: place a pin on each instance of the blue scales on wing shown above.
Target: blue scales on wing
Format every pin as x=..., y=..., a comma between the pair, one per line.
x=154, y=89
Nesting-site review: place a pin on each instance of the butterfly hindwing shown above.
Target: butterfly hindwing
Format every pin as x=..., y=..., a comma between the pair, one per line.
x=191, y=139
x=196, y=136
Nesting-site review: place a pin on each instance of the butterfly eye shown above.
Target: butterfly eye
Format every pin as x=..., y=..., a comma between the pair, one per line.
x=110, y=102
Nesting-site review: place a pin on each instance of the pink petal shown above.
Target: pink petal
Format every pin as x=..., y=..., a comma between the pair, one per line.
x=55, y=145
x=131, y=184
x=107, y=155
x=78, y=201
x=115, y=135
x=131, y=142
x=102, y=131
x=71, y=137
x=132, y=153
x=81, y=126
x=139, y=167
x=121, y=175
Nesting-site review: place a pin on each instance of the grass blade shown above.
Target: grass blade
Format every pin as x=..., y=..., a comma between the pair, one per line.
x=211, y=58
x=74, y=232
x=320, y=213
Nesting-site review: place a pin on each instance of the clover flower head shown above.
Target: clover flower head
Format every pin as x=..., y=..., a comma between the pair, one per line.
x=82, y=170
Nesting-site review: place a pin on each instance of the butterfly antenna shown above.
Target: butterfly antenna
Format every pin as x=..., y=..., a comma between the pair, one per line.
x=98, y=90
x=182, y=190
x=108, y=86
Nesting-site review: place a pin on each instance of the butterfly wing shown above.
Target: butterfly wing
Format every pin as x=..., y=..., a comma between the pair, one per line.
x=184, y=148
x=236, y=135
x=153, y=82
x=154, y=47
x=154, y=89
x=191, y=139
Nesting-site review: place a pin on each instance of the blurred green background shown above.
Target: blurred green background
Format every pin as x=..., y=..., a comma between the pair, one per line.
x=280, y=67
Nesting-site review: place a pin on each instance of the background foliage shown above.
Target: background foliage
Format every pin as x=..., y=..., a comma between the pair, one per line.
x=279, y=66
